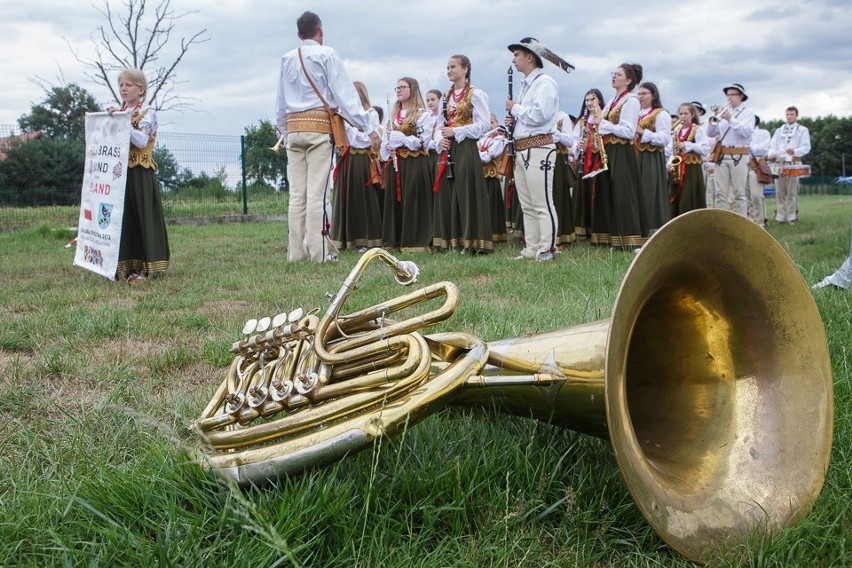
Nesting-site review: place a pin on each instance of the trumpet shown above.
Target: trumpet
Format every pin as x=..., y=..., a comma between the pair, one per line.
x=278, y=145
x=718, y=111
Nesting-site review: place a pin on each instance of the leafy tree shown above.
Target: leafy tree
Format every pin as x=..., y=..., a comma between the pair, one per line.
x=44, y=171
x=138, y=38
x=62, y=113
x=263, y=166
x=167, y=168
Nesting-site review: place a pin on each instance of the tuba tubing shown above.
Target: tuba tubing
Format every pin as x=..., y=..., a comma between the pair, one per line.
x=711, y=380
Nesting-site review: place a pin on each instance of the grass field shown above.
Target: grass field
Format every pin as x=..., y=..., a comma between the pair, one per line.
x=99, y=380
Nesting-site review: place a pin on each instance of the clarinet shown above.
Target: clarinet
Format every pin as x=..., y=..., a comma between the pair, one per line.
x=507, y=167
x=394, y=158
x=448, y=153
x=584, y=139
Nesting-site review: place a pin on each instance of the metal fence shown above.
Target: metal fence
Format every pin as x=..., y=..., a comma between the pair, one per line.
x=205, y=183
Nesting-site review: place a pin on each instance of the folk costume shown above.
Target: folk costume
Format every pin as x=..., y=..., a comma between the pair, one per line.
x=356, y=221
x=462, y=215
x=408, y=208
x=653, y=176
x=687, y=190
x=793, y=137
x=617, y=219
x=302, y=118
x=759, y=149
x=535, y=123
x=144, y=247
x=587, y=159
x=563, y=180
x=731, y=174
x=490, y=153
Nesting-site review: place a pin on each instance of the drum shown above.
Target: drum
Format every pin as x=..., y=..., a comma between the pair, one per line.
x=775, y=168
x=796, y=170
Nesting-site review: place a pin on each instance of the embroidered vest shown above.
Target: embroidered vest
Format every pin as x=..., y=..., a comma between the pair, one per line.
x=142, y=156
x=691, y=157
x=650, y=123
x=464, y=108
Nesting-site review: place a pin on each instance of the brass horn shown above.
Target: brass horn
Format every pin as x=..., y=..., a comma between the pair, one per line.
x=712, y=381
x=277, y=147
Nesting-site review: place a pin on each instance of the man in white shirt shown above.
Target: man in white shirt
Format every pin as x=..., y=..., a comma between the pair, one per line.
x=789, y=144
x=302, y=119
x=534, y=119
x=733, y=125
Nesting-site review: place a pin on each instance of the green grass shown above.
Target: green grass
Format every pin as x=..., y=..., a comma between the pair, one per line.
x=98, y=381
x=175, y=210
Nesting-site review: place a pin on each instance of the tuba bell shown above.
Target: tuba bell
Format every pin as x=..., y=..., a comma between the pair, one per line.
x=711, y=380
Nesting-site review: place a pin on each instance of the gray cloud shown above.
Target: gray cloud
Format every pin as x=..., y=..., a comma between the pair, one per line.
x=786, y=53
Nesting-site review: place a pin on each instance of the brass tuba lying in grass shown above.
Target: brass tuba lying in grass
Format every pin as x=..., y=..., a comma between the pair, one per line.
x=711, y=379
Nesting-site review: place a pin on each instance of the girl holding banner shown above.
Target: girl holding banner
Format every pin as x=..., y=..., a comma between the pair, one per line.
x=144, y=249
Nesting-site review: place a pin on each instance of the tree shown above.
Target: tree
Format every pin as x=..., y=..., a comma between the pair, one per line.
x=45, y=171
x=168, y=171
x=62, y=114
x=136, y=38
x=263, y=166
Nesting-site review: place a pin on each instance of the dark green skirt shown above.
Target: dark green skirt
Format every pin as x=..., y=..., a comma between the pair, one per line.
x=497, y=207
x=407, y=222
x=563, y=178
x=462, y=213
x=355, y=217
x=692, y=194
x=654, y=189
x=617, y=219
x=581, y=206
x=144, y=246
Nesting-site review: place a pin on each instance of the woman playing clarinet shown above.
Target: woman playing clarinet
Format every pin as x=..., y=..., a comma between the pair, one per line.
x=691, y=143
x=407, y=223
x=616, y=217
x=653, y=135
x=462, y=219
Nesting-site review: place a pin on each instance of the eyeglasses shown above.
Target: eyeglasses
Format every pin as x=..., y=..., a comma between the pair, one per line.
x=401, y=88
x=615, y=74
x=644, y=94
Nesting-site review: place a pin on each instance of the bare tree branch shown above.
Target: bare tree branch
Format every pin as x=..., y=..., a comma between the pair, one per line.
x=136, y=38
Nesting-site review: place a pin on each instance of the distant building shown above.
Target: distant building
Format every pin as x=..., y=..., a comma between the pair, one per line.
x=9, y=141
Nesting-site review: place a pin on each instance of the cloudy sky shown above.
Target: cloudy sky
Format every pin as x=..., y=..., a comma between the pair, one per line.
x=784, y=52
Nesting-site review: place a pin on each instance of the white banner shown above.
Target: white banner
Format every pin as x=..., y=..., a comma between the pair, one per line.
x=102, y=198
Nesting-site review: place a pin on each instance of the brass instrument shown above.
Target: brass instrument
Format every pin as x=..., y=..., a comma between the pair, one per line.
x=597, y=140
x=673, y=163
x=718, y=111
x=712, y=380
x=277, y=147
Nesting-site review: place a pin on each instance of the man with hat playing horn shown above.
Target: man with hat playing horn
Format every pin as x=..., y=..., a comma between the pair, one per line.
x=733, y=124
x=534, y=118
x=788, y=145
x=313, y=78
